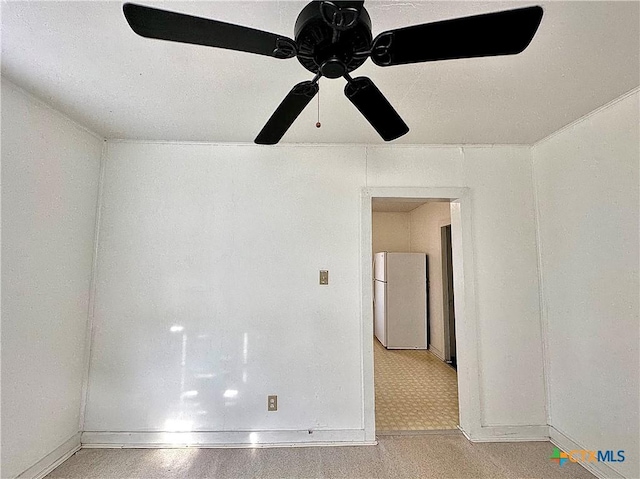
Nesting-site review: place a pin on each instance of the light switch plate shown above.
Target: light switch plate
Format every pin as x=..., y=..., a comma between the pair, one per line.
x=272, y=403
x=324, y=276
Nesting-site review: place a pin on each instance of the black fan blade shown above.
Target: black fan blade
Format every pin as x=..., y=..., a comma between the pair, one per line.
x=287, y=112
x=176, y=27
x=375, y=108
x=500, y=33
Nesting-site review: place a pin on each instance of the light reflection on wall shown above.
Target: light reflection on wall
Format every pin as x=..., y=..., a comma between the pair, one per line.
x=245, y=348
x=230, y=396
x=181, y=420
x=230, y=393
x=178, y=425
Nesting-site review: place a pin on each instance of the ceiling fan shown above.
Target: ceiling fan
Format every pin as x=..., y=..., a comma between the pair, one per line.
x=333, y=38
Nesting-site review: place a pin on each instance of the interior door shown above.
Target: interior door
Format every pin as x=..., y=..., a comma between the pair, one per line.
x=448, y=299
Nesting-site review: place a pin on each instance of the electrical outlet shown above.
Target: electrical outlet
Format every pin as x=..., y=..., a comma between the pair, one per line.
x=272, y=403
x=324, y=276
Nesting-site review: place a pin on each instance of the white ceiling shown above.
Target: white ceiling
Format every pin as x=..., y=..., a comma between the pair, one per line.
x=82, y=58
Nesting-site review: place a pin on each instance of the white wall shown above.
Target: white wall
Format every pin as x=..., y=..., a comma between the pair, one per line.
x=390, y=232
x=50, y=170
x=227, y=241
x=507, y=285
x=426, y=221
x=586, y=180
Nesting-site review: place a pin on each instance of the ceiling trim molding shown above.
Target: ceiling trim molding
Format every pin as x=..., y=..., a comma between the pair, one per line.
x=42, y=103
x=588, y=115
x=316, y=145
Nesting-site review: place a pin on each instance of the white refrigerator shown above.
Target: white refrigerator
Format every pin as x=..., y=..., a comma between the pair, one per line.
x=400, y=300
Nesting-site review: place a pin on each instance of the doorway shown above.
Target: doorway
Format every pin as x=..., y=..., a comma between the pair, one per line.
x=464, y=299
x=415, y=386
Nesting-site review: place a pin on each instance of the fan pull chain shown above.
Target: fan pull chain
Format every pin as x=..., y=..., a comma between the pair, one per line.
x=318, y=124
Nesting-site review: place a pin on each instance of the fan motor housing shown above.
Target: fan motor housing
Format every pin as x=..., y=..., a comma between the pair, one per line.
x=318, y=52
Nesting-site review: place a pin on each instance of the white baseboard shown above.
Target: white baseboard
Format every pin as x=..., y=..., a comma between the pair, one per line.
x=508, y=434
x=439, y=354
x=599, y=469
x=222, y=439
x=52, y=460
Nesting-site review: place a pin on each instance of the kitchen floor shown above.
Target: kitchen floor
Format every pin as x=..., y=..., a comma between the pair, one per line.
x=414, y=391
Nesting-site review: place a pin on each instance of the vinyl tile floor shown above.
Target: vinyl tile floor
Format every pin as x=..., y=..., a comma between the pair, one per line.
x=415, y=390
x=420, y=456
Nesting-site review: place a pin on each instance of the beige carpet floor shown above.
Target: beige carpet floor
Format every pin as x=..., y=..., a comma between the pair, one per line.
x=414, y=391
x=423, y=456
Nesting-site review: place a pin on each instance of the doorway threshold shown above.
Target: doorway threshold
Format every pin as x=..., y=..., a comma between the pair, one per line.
x=424, y=432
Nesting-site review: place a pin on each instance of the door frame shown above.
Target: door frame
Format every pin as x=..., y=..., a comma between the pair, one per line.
x=446, y=313
x=464, y=302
